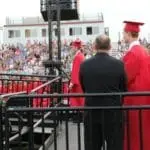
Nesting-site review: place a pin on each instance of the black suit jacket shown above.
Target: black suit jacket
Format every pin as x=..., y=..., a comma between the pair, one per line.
x=102, y=74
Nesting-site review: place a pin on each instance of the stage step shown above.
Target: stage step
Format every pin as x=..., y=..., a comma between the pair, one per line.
x=36, y=130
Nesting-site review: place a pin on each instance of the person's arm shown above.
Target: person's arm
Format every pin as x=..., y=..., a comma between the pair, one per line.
x=123, y=82
x=81, y=77
x=75, y=70
x=131, y=64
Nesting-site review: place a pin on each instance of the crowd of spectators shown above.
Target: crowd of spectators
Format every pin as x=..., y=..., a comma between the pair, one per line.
x=28, y=59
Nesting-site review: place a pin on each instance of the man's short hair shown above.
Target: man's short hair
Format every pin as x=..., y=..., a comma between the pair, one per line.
x=102, y=42
x=134, y=34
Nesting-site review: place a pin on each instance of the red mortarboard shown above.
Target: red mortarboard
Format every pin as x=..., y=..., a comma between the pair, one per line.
x=132, y=26
x=77, y=44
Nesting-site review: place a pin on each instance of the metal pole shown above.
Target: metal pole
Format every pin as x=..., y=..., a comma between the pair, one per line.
x=59, y=30
x=50, y=15
x=59, y=42
x=119, y=41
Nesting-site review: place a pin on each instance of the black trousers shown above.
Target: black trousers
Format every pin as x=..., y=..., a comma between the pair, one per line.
x=105, y=131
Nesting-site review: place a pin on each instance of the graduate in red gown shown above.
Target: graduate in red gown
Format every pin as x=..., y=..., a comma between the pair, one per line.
x=75, y=86
x=148, y=50
x=138, y=79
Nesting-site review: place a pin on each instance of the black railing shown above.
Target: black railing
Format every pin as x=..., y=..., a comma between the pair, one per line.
x=18, y=123
x=115, y=124
x=26, y=75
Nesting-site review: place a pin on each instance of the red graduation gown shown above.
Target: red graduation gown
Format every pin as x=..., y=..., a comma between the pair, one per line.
x=78, y=59
x=37, y=102
x=14, y=87
x=136, y=66
x=0, y=88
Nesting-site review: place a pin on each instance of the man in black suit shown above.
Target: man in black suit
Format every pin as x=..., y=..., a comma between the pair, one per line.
x=103, y=74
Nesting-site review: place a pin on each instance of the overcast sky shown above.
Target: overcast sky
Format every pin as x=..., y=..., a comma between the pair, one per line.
x=115, y=11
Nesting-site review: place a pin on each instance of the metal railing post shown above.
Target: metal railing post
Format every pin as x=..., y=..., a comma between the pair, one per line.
x=1, y=125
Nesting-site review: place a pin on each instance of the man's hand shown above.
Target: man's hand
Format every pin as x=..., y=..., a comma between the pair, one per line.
x=70, y=86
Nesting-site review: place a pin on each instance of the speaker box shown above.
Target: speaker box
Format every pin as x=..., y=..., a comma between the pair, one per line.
x=69, y=9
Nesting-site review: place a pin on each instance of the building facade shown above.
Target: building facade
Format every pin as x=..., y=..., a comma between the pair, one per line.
x=36, y=29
